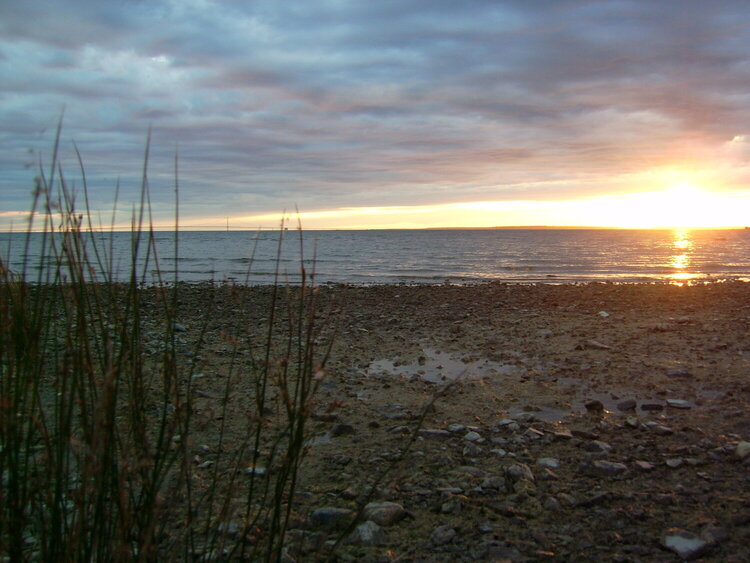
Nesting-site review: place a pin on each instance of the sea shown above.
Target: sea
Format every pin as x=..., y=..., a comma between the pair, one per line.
x=431, y=256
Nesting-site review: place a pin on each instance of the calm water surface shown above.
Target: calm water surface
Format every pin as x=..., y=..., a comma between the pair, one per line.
x=419, y=256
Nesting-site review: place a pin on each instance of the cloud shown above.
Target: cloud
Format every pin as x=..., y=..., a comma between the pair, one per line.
x=331, y=105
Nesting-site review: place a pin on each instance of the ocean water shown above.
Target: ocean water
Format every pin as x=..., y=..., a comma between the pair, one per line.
x=415, y=256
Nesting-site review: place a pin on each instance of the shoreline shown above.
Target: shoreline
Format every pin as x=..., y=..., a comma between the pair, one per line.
x=585, y=422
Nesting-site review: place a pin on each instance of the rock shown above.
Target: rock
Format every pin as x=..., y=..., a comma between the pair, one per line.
x=255, y=470
x=679, y=404
x=644, y=465
x=434, y=433
x=474, y=437
x=632, y=422
x=331, y=518
x=456, y=428
x=548, y=462
x=743, y=450
x=385, y=513
x=584, y=434
x=603, y=314
x=342, y=430
x=179, y=328
x=551, y=504
x=658, y=428
x=685, y=544
x=367, y=534
x=597, y=446
x=594, y=406
x=442, y=535
x=675, y=462
x=652, y=407
x=683, y=373
x=605, y=468
x=518, y=472
x=494, y=482
x=627, y=405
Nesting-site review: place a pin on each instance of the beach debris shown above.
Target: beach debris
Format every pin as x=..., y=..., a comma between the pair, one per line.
x=685, y=544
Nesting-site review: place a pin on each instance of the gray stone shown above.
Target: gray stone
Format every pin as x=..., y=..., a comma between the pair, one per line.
x=548, y=462
x=682, y=373
x=679, y=404
x=518, y=472
x=367, y=534
x=473, y=437
x=606, y=468
x=455, y=427
x=743, y=450
x=597, y=446
x=644, y=465
x=434, y=433
x=331, y=518
x=685, y=544
x=385, y=513
x=675, y=462
x=442, y=535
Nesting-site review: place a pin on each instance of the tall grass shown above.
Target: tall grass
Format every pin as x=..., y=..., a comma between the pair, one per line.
x=97, y=415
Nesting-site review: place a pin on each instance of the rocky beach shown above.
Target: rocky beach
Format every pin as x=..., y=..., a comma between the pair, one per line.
x=505, y=422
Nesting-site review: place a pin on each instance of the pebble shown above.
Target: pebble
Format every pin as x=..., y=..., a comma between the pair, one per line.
x=443, y=535
x=652, y=407
x=679, y=373
x=597, y=446
x=678, y=404
x=685, y=544
x=367, y=534
x=548, y=462
x=644, y=465
x=518, y=472
x=743, y=450
x=627, y=405
x=675, y=462
x=331, y=518
x=342, y=430
x=385, y=513
x=434, y=433
x=474, y=437
x=456, y=428
x=606, y=468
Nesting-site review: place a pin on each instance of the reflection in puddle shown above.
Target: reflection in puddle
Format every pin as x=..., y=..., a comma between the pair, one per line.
x=435, y=366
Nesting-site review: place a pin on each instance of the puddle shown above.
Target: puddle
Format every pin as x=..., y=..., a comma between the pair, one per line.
x=435, y=366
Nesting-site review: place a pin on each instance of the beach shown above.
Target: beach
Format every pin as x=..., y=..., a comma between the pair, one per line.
x=505, y=422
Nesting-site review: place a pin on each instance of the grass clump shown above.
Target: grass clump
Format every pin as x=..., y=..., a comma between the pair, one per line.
x=98, y=432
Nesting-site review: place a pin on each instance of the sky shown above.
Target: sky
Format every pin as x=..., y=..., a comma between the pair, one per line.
x=382, y=114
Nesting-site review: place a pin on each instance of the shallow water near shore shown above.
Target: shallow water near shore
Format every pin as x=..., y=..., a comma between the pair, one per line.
x=419, y=256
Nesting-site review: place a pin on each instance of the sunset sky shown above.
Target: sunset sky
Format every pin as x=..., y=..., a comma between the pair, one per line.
x=385, y=114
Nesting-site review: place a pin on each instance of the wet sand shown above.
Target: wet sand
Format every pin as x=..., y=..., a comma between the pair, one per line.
x=587, y=422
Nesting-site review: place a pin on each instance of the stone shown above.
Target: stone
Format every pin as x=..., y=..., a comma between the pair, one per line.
x=597, y=446
x=342, y=430
x=743, y=450
x=331, y=518
x=679, y=404
x=682, y=373
x=685, y=544
x=455, y=427
x=652, y=407
x=518, y=472
x=605, y=468
x=627, y=405
x=179, y=328
x=443, y=535
x=367, y=534
x=473, y=437
x=548, y=462
x=385, y=513
x=434, y=433
x=675, y=462
x=603, y=314
x=644, y=465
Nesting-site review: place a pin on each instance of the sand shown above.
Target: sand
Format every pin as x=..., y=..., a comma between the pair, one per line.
x=555, y=422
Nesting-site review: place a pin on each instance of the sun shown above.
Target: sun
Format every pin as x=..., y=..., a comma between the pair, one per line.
x=678, y=206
